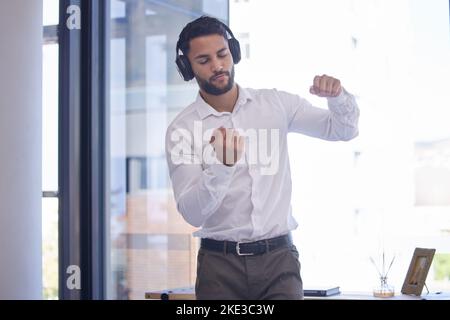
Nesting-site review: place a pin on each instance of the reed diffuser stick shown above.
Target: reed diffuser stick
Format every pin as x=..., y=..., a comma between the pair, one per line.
x=375, y=265
x=390, y=265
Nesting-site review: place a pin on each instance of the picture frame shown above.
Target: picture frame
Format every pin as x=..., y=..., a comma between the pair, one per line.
x=418, y=271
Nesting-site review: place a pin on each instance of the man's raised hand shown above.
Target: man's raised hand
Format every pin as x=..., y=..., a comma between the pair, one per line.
x=228, y=145
x=326, y=86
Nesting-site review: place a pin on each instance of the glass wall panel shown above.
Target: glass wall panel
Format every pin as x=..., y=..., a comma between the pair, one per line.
x=150, y=247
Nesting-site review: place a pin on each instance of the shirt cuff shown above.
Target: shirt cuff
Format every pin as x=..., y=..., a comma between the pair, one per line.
x=222, y=171
x=340, y=103
x=215, y=167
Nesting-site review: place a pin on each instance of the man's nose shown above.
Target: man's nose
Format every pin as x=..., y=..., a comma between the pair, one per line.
x=216, y=66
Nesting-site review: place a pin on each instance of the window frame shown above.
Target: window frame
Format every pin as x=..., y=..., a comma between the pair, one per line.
x=82, y=100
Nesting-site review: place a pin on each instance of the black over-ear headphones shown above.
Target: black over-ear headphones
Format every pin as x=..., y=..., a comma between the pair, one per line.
x=184, y=66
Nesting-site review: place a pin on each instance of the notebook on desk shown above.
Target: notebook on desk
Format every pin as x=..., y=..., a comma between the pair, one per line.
x=321, y=291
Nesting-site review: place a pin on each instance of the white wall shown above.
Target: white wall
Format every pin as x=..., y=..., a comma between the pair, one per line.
x=20, y=149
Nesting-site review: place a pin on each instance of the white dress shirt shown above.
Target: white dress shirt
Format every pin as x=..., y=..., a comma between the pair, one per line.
x=251, y=200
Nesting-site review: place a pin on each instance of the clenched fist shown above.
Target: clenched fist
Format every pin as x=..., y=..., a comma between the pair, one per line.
x=326, y=86
x=228, y=145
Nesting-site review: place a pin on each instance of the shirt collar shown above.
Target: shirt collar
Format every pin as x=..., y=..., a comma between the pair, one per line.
x=205, y=110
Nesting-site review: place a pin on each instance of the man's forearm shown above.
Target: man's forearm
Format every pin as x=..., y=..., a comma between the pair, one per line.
x=198, y=201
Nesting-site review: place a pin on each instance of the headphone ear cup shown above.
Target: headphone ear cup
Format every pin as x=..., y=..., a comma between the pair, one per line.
x=235, y=49
x=184, y=67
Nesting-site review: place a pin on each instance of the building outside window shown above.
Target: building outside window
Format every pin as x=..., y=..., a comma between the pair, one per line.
x=150, y=245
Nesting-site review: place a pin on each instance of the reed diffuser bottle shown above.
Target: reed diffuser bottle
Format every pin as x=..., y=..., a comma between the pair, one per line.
x=383, y=290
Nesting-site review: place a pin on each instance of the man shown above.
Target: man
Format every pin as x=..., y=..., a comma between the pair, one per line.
x=222, y=178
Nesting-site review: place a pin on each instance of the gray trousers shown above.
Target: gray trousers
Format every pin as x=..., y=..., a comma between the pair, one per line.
x=269, y=276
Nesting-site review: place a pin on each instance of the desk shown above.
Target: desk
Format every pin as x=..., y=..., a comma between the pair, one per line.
x=188, y=294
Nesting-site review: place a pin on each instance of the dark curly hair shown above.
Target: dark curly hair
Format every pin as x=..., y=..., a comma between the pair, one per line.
x=203, y=26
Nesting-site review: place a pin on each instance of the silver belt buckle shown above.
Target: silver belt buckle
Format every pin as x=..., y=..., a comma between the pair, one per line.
x=238, y=250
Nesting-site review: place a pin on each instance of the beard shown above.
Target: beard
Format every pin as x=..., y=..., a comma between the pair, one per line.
x=210, y=88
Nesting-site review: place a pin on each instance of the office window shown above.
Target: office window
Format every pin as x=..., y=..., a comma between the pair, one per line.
x=388, y=189
x=244, y=42
x=50, y=150
x=149, y=247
